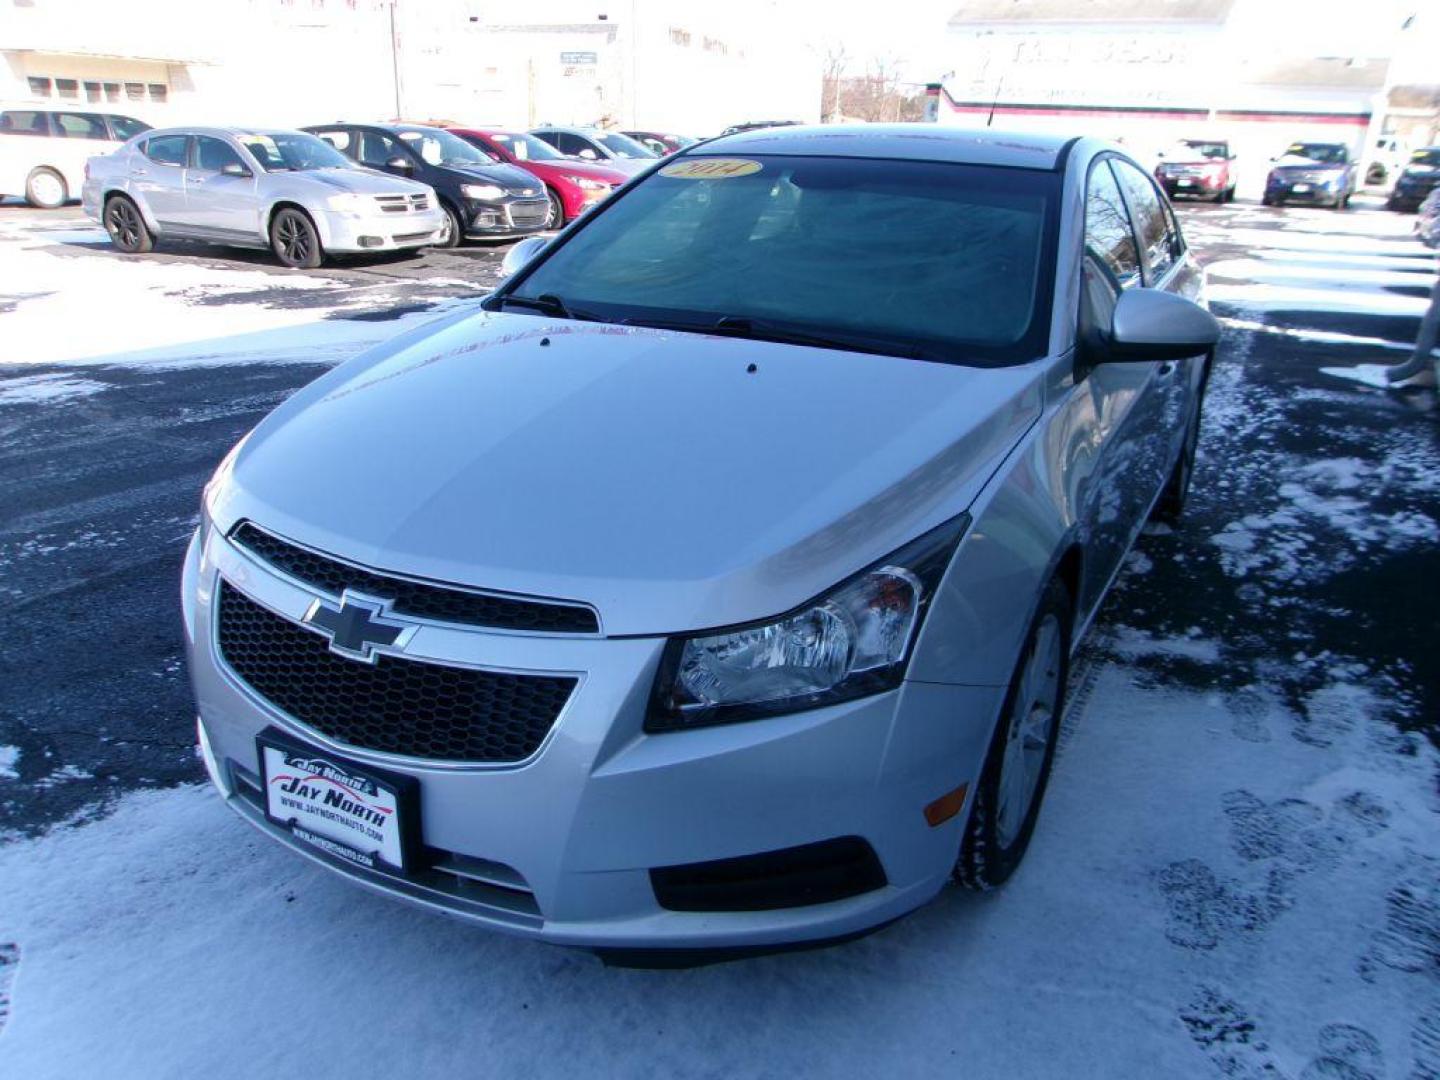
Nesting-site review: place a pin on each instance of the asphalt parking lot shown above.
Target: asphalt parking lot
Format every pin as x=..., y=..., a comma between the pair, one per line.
x=1266, y=675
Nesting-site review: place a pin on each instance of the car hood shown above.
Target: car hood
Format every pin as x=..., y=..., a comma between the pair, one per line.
x=1292, y=163
x=355, y=181
x=577, y=168
x=510, y=177
x=650, y=473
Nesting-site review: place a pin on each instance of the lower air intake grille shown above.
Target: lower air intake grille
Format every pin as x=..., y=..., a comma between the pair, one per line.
x=395, y=706
x=791, y=877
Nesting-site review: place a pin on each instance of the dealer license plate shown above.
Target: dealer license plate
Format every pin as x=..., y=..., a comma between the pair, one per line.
x=1183, y=183
x=353, y=812
x=1301, y=188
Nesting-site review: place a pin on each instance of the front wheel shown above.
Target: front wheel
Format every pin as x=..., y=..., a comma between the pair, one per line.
x=1022, y=751
x=126, y=226
x=452, y=230
x=45, y=189
x=555, y=216
x=294, y=240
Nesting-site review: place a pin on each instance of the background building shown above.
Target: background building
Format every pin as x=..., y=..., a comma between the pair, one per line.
x=638, y=63
x=1261, y=73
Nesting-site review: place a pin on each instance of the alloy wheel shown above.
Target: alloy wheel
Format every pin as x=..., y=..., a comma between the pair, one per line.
x=295, y=237
x=123, y=223
x=1031, y=729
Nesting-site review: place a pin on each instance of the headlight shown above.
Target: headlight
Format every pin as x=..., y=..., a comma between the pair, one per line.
x=482, y=191
x=351, y=203
x=853, y=641
x=586, y=184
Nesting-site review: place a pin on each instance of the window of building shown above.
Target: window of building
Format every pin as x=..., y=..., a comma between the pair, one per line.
x=159, y=92
x=135, y=91
x=94, y=92
x=1108, y=235
x=112, y=91
x=679, y=37
x=67, y=88
x=39, y=86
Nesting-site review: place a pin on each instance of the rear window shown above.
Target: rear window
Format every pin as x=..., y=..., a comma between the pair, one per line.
x=166, y=149
x=950, y=262
x=24, y=122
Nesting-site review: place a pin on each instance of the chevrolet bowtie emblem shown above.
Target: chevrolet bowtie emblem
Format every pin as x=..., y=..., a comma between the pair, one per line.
x=357, y=627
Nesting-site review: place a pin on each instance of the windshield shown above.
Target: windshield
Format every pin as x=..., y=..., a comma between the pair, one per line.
x=442, y=148
x=293, y=151
x=1329, y=153
x=947, y=262
x=1204, y=149
x=527, y=147
x=1425, y=157
x=622, y=145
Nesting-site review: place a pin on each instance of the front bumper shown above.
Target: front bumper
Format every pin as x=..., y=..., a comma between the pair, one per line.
x=344, y=232
x=581, y=823
x=1304, y=191
x=505, y=217
x=1409, y=197
x=1192, y=185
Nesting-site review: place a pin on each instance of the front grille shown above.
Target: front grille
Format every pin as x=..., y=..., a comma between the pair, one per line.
x=405, y=238
x=400, y=204
x=444, y=603
x=528, y=215
x=396, y=705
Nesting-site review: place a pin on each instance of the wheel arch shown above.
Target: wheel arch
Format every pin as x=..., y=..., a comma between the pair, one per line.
x=322, y=225
x=112, y=190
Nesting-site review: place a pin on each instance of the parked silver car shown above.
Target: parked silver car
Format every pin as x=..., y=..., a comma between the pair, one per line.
x=285, y=190
x=609, y=148
x=715, y=585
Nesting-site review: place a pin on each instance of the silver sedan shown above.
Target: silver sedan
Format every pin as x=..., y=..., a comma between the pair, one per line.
x=714, y=584
x=285, y=190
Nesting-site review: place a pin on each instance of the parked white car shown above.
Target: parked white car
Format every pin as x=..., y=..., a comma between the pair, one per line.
x=43, y=151
x=285, y=190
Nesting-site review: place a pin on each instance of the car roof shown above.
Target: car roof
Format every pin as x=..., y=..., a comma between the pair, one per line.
x=916, y=142
x=232, y=131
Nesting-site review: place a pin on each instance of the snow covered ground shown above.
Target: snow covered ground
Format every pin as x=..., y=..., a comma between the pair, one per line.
x=1237, y=871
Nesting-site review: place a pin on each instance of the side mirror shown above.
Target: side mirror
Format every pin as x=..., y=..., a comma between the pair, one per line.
x=1151, y=325
x=520, y=254
x=236, y=169
x=588, y=154
x=400, y=164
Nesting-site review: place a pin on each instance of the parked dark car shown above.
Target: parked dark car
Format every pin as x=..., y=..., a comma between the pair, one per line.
x=660, y=143
x=1323, y=174
x=1420, y=176
x=482, y=198
x=572, y=186
x=1200, y=167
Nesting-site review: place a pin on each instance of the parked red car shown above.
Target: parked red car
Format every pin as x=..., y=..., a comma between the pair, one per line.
x=573, y=186
x=1203, y=167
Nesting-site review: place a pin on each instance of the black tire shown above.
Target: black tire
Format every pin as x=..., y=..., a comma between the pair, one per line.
x=555, y=217
x=295, y=240
x=1170, y=507
x=454, y=231
x=987, y=856
x=126, y=226
x=1266, y=200
x=45, y=189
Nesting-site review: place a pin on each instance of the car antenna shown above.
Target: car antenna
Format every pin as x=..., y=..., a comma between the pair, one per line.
x=995, y=100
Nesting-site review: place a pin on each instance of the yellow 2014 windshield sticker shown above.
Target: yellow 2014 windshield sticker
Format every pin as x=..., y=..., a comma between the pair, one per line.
x=713, y=168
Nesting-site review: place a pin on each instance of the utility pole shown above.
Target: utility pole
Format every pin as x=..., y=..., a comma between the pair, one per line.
x=395, y=61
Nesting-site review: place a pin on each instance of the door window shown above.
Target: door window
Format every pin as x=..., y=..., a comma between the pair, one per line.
x=1151, y=223
x=71, y=125
x=166, y=149
x=340, y=140
x=127, y=127
x=28, y=122
x=213, y=154
x=377, y=148
x=1108, y=235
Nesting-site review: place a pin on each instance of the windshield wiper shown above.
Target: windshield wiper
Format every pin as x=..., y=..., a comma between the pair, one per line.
x=742, y=326
x=547, y=304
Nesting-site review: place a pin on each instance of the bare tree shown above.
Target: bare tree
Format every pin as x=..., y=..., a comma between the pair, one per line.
x=832, y=79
